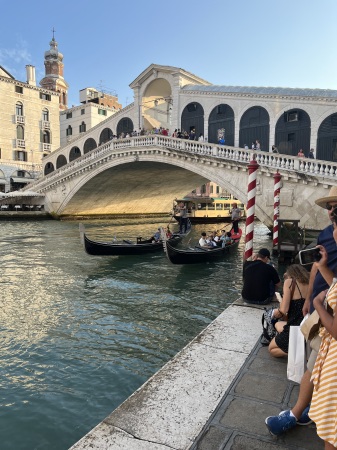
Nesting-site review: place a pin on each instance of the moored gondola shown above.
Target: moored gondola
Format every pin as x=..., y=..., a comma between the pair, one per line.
x=197, y=254
x=127, y=247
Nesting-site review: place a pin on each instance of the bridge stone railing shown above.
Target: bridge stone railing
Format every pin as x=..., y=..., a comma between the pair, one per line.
x=317, y=168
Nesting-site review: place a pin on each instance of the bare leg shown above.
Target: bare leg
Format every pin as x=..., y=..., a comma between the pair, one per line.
x=304, y=396
x=275, y=351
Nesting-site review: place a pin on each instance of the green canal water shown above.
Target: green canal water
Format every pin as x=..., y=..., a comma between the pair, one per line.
x=79, y=334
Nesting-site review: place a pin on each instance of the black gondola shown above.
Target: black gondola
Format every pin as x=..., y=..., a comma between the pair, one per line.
x=126, y=247
x=199, y=254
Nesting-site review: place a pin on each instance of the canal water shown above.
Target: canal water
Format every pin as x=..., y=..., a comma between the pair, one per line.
x=79, y=334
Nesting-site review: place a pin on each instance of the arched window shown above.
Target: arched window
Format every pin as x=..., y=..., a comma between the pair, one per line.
x=20, y=132
x=61, y=161
x=46, y=137
x=105, y=136
x=69, y=131
x=83, y=127
x=45, y=115
x=89, y=145
x=49, y=168
x=19, y=109
x=75, y=152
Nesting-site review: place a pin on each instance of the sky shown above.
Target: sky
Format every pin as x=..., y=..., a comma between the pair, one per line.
x=106, y=44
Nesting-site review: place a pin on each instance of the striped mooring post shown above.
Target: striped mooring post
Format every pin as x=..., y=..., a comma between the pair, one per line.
x=252, y=171
x=277, y=188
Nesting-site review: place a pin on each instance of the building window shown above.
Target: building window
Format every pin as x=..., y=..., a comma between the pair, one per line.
x=218, y=189
x=19, y=109
x=69, y=131
x=46, y=137
x=83, y=127
x=102, y=112
x=19, y=89
x=211, y=189
x=69, y=115
x=20, y=132
x=82, y=111
x=45, y=115
x=44, y=96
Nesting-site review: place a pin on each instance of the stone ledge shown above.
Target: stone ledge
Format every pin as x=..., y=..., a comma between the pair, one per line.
x=172, y=407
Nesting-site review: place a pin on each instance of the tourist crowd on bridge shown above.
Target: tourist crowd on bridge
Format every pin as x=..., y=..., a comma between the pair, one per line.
x=304, y=293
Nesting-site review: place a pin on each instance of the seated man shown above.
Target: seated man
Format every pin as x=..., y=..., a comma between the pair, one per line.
x=210, y=240
x=156, y=236
x=257, y=278
x=203, y=241
x=227, y=240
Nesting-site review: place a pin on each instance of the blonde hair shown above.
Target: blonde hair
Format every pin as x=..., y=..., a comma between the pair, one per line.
x=299, y=273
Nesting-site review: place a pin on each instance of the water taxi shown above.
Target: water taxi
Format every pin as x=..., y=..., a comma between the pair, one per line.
x=208, y=209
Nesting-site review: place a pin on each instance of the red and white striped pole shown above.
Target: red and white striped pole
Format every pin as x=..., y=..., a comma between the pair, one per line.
x=277, y=188
x=252, y=170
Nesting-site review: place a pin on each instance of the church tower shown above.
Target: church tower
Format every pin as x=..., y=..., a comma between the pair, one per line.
x=53, y=79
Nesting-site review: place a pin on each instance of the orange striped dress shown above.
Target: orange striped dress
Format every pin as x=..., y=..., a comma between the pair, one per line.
x=323, y=409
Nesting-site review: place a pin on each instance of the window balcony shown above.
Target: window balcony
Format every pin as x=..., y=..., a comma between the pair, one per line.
x=20, y=143
x=46, y=147
x=45, y=125
x=20, y=119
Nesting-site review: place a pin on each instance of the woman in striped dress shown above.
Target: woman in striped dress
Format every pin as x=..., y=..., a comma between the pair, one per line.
x=323, y=409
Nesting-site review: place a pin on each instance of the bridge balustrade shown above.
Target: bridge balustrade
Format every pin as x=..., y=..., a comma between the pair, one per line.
x=314, y=167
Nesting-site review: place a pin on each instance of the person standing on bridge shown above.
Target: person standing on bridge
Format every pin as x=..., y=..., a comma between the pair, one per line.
x=236, y=215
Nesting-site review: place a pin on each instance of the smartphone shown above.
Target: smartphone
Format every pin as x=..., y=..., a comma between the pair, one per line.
x=309, y=256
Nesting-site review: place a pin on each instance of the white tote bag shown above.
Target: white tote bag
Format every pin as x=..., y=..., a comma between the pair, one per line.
x=296, y=355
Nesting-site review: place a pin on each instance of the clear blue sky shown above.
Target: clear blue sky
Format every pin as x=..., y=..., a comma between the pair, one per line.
x=107, y=42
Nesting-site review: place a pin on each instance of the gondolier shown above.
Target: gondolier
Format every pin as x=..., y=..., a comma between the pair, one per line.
x=236, y=215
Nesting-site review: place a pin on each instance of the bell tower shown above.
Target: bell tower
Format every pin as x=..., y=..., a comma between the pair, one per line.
x=53, y=80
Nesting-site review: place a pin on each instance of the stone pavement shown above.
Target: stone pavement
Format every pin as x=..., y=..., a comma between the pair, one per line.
x=260, y=389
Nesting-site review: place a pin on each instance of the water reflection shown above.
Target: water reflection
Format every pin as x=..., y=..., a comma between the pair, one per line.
x=80, y=334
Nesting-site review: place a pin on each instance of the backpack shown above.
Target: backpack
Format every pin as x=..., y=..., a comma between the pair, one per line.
x=268, y=327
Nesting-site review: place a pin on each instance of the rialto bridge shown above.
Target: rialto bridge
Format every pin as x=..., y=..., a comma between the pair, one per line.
x=143, y=174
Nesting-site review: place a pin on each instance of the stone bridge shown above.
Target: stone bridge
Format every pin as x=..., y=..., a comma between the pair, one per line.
x=142, y=175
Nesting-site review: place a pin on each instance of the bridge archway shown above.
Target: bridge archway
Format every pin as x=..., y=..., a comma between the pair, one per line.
x=327, y=139
x=125, y=126
x=192, y=117
x=49, y=168
x=74, y=153
x=292, y=132
x=156, y=104
x=105, y=136
x=222, y=116
x=61, y=161
x=89, y=145
x=254, y=125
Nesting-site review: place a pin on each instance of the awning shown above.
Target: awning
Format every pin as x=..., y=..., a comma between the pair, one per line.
x=2, y=181
x=21, y=180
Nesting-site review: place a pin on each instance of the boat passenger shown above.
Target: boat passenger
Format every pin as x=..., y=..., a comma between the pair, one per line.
x=156, y=236
x=227, y=239
x=203, y=241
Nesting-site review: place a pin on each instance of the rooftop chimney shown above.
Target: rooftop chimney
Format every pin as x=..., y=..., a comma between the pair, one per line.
x=31, y=75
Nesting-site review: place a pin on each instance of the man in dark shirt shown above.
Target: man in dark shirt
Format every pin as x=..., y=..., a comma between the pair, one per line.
x=257, y=278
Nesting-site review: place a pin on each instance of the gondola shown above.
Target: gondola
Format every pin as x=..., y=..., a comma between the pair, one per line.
x=197, y=254
x=126, y=246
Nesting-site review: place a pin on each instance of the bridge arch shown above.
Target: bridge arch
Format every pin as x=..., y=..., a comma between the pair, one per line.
x=89, y=145
x=327, y=139
x=157, y=103
x=254, y=125
x=105, y=136
x=61, y=161
x=221, y=116
x=292, y=131
x=49, y=168
x=125, y=125
x=192, y=117
x=74, y=153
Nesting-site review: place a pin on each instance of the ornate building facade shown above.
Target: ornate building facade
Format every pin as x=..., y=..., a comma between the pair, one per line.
x=29, y=128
